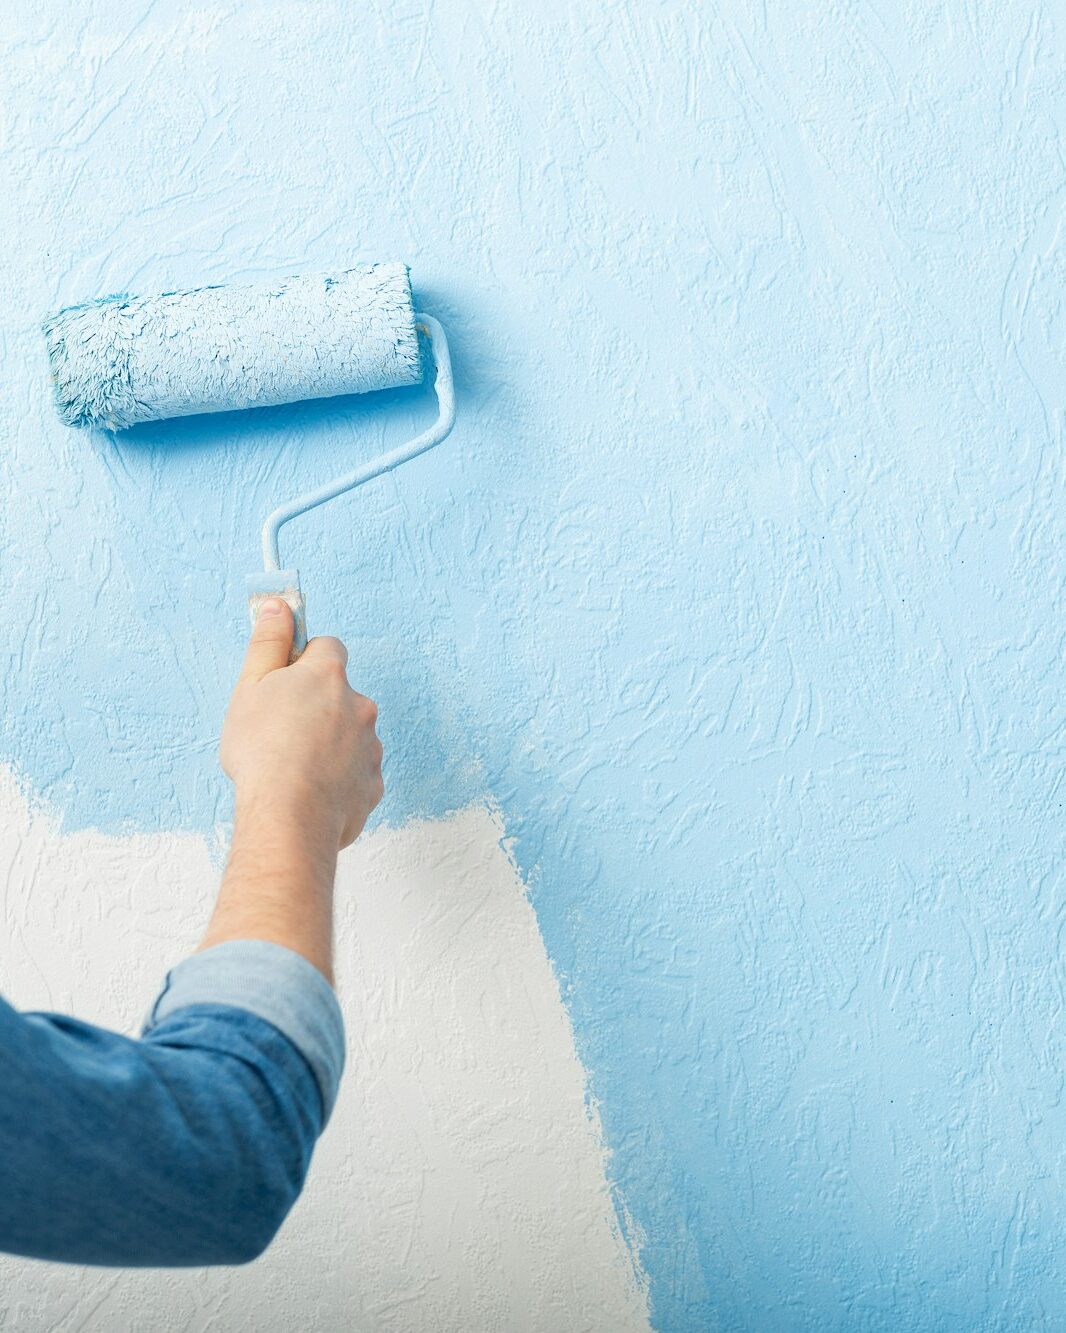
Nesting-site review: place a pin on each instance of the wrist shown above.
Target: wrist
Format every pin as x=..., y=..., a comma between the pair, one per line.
x=278, y=882
x=284, y=844
x=283, y=818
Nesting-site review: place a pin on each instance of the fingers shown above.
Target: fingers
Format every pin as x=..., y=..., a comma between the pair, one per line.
x=271, y=641
x=325, y=649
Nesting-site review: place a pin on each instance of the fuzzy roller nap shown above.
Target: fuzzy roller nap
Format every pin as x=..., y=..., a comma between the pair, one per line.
x=125, y=359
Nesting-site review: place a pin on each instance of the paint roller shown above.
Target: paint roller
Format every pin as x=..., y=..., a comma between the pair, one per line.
x=123, y=360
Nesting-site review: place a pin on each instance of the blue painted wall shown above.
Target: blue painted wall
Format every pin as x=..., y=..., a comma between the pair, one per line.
x=738, y=588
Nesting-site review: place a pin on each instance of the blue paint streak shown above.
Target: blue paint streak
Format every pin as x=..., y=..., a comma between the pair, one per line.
x=738, y=586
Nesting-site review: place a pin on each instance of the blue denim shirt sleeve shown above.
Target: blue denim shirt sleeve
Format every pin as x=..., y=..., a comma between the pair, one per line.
x=187, y=1147
x=277, y=984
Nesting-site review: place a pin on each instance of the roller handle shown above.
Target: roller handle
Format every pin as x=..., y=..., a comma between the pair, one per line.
x=286, y=585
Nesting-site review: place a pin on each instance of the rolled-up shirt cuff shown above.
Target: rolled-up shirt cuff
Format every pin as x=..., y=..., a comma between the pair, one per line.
x=274, y=983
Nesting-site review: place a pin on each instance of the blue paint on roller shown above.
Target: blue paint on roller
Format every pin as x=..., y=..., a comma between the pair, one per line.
x=127, y=359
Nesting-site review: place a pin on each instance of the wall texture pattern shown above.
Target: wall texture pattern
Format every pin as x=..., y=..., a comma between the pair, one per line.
x=733, y=604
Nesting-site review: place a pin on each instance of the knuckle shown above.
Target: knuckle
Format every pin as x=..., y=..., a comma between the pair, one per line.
x=328, y=649
x=329, y=669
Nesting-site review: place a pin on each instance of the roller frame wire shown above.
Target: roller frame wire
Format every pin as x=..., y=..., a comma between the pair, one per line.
x=444, y=390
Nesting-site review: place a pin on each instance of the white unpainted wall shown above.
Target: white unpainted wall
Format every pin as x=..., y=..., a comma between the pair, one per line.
x=462, y=1181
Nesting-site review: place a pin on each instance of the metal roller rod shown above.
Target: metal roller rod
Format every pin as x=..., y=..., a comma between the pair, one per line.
x=445, y=393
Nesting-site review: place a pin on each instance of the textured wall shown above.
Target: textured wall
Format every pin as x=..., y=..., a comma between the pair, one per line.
x=737, y=589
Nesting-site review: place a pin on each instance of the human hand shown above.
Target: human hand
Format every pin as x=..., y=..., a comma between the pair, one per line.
x=298, y=742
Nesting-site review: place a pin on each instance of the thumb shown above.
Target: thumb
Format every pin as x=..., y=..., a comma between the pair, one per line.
x=271, y=641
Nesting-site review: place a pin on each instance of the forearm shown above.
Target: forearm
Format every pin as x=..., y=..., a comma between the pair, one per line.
x=278, y=884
